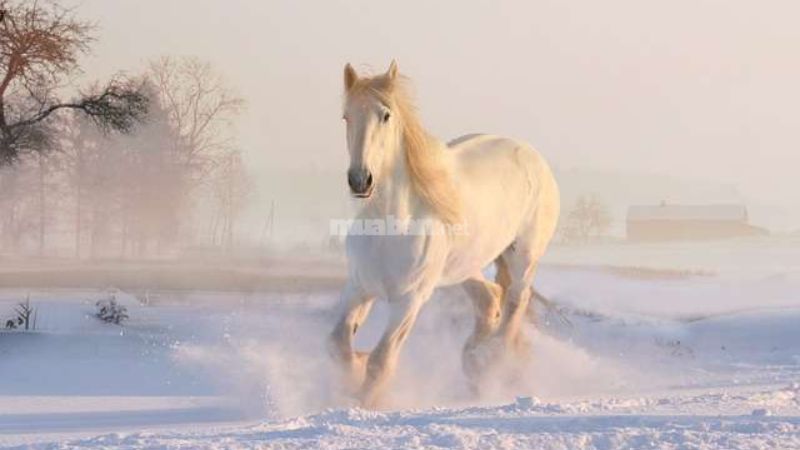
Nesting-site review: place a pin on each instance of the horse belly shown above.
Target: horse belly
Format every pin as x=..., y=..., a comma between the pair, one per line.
x=488, y=231
x=476, y=251
x=496, y=189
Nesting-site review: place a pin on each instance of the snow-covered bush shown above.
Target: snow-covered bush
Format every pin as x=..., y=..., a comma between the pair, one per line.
x=25, y=317
x=108, y=310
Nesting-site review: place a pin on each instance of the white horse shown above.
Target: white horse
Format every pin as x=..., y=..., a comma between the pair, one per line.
x=477, y=200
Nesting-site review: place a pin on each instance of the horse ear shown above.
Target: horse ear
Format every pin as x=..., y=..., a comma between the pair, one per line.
x=350, y=76
x=392, y=72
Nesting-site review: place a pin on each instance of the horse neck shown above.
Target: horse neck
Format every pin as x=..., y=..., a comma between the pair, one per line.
x=395, y=194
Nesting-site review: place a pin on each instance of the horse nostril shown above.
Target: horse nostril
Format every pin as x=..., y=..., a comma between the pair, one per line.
x=359, y=180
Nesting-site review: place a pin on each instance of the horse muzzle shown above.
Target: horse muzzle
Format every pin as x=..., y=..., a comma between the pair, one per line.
x=360, y=181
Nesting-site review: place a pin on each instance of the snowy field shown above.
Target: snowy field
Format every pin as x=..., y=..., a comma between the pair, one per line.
x=702, y=353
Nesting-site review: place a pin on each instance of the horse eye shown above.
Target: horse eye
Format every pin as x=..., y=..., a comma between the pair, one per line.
x=386, y=116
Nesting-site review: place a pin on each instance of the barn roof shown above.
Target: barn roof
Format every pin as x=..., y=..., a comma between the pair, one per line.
x=731, y=213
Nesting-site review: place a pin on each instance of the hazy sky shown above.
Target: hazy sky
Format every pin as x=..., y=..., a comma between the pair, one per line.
x=705, y=89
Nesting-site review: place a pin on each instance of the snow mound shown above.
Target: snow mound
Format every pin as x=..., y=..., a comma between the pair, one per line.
x=509, y=427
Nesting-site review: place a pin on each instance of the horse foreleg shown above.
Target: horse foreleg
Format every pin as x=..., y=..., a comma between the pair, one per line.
x=486, y=298
x=356, y=307
x=382, y=362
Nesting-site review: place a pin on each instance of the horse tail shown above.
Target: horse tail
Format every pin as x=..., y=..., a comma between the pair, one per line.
x=541, y=298
x=503, y=278
x=550, y=308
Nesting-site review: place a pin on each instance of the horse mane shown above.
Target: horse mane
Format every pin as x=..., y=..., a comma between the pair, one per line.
x=426, y=157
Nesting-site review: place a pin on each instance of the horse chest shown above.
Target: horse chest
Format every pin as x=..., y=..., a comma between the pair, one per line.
x=388, y=264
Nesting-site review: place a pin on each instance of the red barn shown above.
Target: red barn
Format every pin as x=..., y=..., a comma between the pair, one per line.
x=688, y=222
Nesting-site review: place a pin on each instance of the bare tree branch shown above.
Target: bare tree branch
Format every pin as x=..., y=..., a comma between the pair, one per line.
x=117, y=107
x=200, y=107
x=40, y=44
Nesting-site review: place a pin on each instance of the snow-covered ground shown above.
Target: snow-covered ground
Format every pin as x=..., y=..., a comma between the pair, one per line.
x=704, y=356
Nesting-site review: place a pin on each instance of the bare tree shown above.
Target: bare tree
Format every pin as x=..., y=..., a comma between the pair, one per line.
x=200, y=107
x=588, y=218
x=231, y=188
x=127, y=189
x=42, y=190
x=18, y=218
x=77, y=156
x=40, y=43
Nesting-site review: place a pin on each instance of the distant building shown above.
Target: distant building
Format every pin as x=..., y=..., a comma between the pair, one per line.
x=688, y=222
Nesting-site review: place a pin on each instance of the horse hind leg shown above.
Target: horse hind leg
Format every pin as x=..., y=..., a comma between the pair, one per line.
x=486, y=299
x=503, y=276
x=520, y=268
